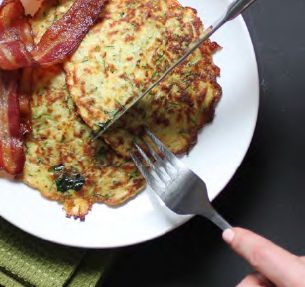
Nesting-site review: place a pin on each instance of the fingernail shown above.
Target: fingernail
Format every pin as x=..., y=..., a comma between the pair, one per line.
x=228, y=235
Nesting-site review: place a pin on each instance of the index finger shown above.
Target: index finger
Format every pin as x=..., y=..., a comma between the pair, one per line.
x=278, y=265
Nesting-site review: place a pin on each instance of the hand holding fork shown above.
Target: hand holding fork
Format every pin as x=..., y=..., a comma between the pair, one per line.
x=185, y=193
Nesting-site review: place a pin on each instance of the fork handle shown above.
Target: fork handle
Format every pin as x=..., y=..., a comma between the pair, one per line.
x=220, y=221
x=216, y=218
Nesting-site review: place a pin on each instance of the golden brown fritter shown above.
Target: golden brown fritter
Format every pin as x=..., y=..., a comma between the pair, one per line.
x=175, y=111
x=128, y=49
x=61, y=160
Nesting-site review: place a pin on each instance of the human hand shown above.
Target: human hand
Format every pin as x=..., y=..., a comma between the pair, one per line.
x=274, y=265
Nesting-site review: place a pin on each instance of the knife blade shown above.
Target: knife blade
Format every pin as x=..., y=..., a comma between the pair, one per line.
x=233, y=10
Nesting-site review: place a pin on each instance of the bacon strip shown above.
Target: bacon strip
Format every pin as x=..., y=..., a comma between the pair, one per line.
x=13, y=55
x=10, y=11
x=58, y=42
x=24, y=94
x=11, y=140
x=65, y=35
x=16, y=39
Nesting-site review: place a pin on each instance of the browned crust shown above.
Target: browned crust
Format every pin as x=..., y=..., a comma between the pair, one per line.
x=208, y=114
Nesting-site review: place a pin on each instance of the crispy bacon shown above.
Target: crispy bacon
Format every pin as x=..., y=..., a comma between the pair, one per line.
x=16, y=39
x=24, y=94
x=59, y=41
x=10, y=11
x=13, y=55
x=65, y=35
x=11, y=140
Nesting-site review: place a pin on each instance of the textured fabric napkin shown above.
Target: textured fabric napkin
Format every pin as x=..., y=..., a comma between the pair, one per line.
x=29, y=261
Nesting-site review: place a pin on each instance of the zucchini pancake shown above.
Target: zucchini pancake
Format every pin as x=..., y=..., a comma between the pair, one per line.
x=62, y=161
x=132, y=43
x=124, y=53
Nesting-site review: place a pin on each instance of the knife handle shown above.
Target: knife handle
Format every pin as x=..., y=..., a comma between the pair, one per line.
x=236, y=8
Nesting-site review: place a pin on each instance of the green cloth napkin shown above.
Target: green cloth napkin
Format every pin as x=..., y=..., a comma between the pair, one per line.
x=29, y=261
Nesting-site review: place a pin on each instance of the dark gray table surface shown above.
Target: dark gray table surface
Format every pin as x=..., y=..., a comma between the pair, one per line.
x=267, y=194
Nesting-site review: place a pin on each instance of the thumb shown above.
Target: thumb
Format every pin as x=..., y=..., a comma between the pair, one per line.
x=278, y=265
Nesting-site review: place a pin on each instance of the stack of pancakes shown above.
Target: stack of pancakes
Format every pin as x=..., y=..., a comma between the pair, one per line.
x=130, y=46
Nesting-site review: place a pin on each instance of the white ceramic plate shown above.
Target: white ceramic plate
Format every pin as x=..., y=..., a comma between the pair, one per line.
x=220, y=150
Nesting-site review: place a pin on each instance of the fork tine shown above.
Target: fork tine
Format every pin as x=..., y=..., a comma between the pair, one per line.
x=164, y=150
x=154, y=154
x=144, y=171
x=143, y=154
x=160, y=161
x=150, y=163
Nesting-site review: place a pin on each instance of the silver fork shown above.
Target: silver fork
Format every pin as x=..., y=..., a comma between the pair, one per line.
x=180, y=188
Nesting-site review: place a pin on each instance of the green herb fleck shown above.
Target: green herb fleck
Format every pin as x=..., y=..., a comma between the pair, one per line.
x=154, y=74
x=65, y=183
x=173, y=105
x=94, y=90
x=160, y=59
x=118, y=103
x=67, y=179
x=133, y=174
x=104, y=196
x=104, y=64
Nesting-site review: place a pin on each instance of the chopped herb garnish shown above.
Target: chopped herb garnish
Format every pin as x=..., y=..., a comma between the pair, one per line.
x=104, y=64
x=65, y=183
x=94, y=90
x=67, y=179
x=154, y=74
x=118, y=103
x=133, y=174
x=104, y=196
x=160, y=59
x=173, y=105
